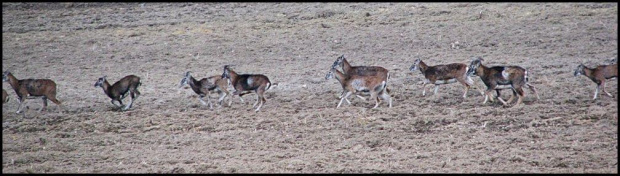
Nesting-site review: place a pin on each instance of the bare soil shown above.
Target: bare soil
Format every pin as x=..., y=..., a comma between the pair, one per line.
x=299, y=129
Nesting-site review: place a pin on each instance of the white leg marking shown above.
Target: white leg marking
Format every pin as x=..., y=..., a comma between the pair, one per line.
x=502, y=100
x=359, y=96
x=424, y=88
x=19, y=108
x=259, y=106
x=202, y=101
x=596, y=92
x=222, y=96
x=256, y=101
x=112, y=101
x=128, y=105
x=343, y=98
x=386, y=96
x=242, y=101
x=377, y=102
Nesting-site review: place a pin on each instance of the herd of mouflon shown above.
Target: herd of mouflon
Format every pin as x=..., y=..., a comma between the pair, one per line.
x=355, y=80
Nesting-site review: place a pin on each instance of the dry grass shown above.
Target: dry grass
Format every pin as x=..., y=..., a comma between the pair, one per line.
x=299, y=130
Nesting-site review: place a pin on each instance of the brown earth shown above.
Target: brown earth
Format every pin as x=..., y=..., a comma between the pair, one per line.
x=299, y=130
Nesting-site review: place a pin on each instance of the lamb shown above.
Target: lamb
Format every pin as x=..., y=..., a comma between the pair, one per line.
x=444, y=74
x=204, y=86
x=354, y=84
x=119, y=90
x=501, y=77
x=598, y=75
x=248, y=82
x=31, y=89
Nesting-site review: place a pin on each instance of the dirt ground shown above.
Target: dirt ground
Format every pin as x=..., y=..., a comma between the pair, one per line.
x=299, y=129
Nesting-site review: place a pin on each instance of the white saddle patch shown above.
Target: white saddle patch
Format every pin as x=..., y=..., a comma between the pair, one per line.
x=358, y=85
x=505, y=75
x=250, y=81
